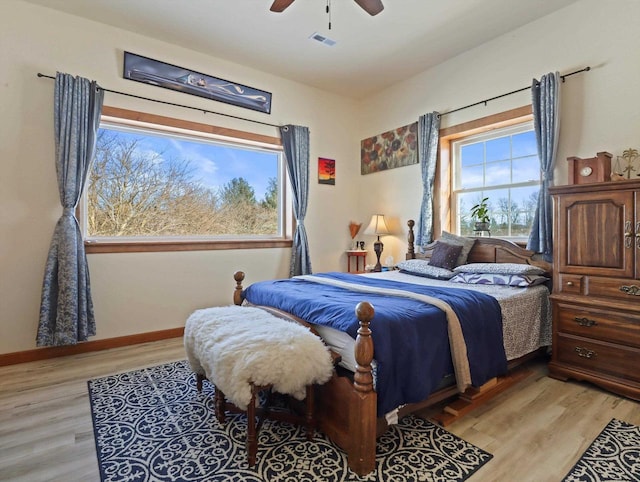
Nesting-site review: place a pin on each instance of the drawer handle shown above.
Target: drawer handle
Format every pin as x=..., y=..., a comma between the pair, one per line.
x=569, y=283
x=584, y=353
x=632, y=290
x=585, y=321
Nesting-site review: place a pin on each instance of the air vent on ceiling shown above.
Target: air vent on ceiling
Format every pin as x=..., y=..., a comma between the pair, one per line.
x=322, y=39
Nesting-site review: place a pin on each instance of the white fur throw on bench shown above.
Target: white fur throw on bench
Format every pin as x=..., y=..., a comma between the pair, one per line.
x=235, y=346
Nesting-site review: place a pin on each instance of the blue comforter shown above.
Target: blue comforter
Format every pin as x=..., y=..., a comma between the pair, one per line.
x=411, y=344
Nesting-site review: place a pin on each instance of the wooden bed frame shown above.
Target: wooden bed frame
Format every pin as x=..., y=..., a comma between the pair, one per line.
x=346, y=407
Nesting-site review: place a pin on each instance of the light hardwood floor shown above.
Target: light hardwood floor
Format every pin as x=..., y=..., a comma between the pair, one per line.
x=536, y=430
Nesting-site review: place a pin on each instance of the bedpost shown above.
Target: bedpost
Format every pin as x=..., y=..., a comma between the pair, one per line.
x=347, y=409
x=237, y=293
x=362, y=415
x=363, y=378
x=411, y=253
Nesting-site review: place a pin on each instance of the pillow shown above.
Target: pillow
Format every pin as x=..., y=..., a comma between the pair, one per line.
x=421, y=267
x=499, y=268
x=519, y=280
x=445, y=255
x=466, y=243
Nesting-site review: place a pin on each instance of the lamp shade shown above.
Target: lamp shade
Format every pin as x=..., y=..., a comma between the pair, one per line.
x=377, y=226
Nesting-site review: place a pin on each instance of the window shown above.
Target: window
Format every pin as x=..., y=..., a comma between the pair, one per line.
x=154, y=186
x=500, y=164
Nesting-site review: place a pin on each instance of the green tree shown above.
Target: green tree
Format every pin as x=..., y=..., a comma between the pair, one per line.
x=236, y=192
x=136, y=192
x=270, y=200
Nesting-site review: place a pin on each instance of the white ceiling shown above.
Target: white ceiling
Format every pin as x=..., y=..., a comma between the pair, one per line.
x=407, y=37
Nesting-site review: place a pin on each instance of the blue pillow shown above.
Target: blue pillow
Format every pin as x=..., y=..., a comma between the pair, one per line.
x=445, y=255
x=466, y=243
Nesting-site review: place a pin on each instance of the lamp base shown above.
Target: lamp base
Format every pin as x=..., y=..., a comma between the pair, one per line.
x=377, y=247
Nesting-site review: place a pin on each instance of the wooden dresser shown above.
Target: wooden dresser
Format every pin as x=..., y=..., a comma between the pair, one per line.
x=596, y=294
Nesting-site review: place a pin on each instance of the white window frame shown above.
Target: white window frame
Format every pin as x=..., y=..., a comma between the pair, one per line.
x=128, y=121
x=445, y=205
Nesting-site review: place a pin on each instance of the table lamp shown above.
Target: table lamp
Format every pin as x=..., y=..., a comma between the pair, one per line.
x=377, y=227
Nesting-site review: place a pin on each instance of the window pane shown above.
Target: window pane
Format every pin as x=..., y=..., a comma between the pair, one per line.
x=498, y=149
x=472, y=154
x=472, y=177
x=500, y=211
x=149, y=184
x=503, y=158
x=524, y=144
x=464, y=222
x=526, y=169
x=524, y=202
x=498, y=173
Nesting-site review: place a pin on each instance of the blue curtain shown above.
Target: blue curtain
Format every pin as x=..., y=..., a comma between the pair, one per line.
x=295, y=141
x=66, y=310
x=546, y=120
x=428, y=137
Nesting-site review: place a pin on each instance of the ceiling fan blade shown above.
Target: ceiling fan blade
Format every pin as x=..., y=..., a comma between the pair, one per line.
x=280, y=5
x=372, y=7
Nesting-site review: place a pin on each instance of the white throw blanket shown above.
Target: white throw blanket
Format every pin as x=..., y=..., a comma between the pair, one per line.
x=235, y=346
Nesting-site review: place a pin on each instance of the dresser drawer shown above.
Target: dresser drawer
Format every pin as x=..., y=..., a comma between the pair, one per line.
x=599, y=357
x=570, y=283
x=608, y=325
x=620, y=288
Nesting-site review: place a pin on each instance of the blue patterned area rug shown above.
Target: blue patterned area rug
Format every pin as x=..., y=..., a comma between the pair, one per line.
x=613, y=456
x=153, y=425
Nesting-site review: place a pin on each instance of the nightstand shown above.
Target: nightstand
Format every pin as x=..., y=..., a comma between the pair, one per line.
x=357, y=254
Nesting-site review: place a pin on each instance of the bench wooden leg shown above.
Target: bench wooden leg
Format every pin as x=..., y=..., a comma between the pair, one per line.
x=254, y=423
x=219, y=404
x=199, y=379
x=252, y=439
x=309, y=418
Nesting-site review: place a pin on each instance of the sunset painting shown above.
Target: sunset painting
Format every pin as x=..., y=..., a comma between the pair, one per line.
x=326, y=171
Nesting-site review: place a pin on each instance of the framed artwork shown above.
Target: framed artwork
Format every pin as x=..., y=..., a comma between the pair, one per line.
x=395, y=148
x=153, y=72
x=326, y=171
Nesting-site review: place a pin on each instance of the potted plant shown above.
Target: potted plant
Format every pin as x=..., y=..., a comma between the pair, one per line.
x=480, y=213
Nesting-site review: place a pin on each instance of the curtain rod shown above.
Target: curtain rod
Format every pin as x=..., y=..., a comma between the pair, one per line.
x=204, y=111
x=586, y=69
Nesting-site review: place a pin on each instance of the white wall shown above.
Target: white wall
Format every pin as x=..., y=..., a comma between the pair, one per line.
x=137, y=293
x=600, y=109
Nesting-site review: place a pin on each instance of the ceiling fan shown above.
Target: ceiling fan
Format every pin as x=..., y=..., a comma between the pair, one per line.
x=372, y=7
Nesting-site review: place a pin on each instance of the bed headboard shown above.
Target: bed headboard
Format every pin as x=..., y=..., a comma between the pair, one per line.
x=485, y=250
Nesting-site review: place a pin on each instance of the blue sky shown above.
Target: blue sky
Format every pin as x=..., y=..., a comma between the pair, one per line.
x=213, y=164
x=496, y=162
x=497, y=167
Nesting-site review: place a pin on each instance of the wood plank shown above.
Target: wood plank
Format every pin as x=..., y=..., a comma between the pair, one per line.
x=474, y=397
x=536, y=429
x=88, y=346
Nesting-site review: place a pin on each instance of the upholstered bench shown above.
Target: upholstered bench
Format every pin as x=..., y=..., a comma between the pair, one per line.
x=244, y=350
